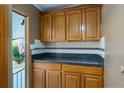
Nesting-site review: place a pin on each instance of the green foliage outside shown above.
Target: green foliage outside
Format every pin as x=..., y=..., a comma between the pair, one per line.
x=17, y=56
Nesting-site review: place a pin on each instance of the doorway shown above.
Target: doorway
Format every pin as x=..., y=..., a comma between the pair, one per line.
x=18, y=50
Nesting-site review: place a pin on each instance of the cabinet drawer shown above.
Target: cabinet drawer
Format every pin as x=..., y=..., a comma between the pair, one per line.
x=48, y=66
x=83, y=69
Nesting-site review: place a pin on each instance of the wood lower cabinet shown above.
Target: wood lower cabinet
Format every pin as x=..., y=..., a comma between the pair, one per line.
x=53, y=79
x=92, y=81
x=46, y=75
x=82, y=76
x=49, y=75
x=38, y=78
x=70, y=80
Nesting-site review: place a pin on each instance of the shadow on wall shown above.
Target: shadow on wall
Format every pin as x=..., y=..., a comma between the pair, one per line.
x=112, y=28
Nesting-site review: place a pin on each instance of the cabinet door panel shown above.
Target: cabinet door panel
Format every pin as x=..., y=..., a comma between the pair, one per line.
x=58, y=26
x=74, y=25
x=92, y=81
x=53, y=79
x=82, y=81
x=38, y=78
x=71, y=80
x=46, y=28
x=92, y=23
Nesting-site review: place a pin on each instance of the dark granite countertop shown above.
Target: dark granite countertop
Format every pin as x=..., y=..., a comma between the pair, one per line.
x=66, y=58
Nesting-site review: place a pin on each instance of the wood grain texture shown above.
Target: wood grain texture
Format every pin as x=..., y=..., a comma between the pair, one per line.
x=67, y=76
x=78, y=24
x=48, y=66
x=92, y=23
x=58, y=26
x=83, y=69
x=46, y=75
x=4, y=39
x=82, y=81
x=38, y=78
x=74, y=25
x=92, y=81
x=53, y=79
x=70, y=80
x=46, y=28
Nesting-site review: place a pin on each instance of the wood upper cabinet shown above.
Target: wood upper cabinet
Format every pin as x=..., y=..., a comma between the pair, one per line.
x=93, y=81
x=74, y=25
x=38, y=78
x=58, y=26
x=70, y=80
x=92, y=23
x=46, y=28
x=53, y=79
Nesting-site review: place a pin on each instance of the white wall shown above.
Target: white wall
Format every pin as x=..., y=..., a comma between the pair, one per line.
x=113, y=30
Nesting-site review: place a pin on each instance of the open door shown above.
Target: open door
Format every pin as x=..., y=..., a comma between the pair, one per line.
x=20, y=50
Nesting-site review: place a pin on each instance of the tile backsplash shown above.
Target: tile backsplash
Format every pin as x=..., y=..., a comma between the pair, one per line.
x=69, y=47
x=73, y=45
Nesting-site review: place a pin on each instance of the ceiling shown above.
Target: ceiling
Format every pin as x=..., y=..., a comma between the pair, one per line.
x=47, y=7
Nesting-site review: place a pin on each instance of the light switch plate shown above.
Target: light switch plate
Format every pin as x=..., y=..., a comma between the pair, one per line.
x=122, y=69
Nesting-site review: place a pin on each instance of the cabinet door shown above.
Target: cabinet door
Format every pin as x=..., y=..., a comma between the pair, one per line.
x=92, y=81
x=46, y=28
x=38, y=78
x=92, y=23
x=70, y=80
x=82, y=81
x=58, y=26
x=53, y=79
x=74, y=25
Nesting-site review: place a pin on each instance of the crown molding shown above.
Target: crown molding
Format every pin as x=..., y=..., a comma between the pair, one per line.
x=38, y=7
x=42, y=10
